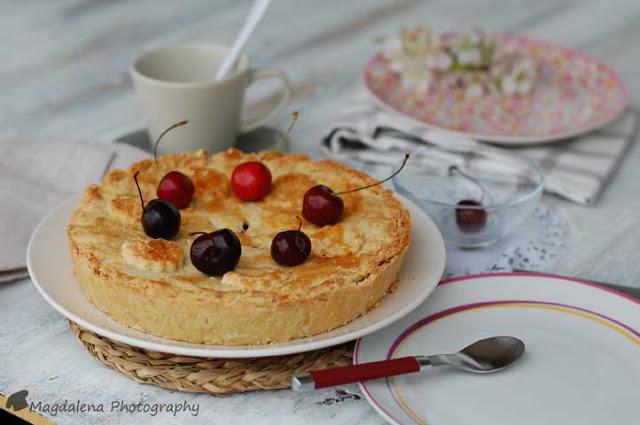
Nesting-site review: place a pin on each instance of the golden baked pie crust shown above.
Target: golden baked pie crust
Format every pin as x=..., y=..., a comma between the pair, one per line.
x=152, y=286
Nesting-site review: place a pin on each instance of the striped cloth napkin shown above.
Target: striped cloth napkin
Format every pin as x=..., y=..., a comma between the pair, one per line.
x=577, y=169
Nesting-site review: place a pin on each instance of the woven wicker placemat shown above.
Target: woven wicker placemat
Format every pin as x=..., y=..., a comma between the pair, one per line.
x=207, y=375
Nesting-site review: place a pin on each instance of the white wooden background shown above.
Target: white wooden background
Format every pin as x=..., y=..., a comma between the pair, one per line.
x=63, y=73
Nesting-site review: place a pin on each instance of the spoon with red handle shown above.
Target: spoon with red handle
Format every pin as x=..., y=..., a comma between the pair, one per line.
x=485, y=356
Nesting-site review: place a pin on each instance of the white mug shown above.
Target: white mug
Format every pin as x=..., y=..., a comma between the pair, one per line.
x=177, y=83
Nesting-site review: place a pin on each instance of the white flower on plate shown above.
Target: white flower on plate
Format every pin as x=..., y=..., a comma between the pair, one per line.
x=508, y=85
x=439, y=61
x=417, y=79
x=396, y=66
x=524, y=65
x=418, y=88
x=516, y=83
x=393, y=53
x=468, y=56
x=474, y=91
x=417, y=41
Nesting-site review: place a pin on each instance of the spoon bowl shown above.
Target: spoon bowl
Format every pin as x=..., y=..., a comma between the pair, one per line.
x=485, y=356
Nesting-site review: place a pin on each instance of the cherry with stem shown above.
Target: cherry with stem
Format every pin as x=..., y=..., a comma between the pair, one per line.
x=291, y=247
x=160, y=219
x=321, y=205
x=175, y=186
x=471, y=216
x=215, y=253
x=251, y=180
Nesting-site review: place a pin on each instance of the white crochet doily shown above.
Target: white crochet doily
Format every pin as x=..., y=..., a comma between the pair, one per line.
x=537, y=245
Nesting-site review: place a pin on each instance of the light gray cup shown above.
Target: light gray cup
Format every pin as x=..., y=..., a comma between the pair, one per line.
x=177, y=83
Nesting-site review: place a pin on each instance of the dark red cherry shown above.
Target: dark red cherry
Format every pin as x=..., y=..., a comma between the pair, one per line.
x=160, y=219
x=471, y=219
x=291, y=247
x=176, y=188
x=321, y=205
x=216, y=253
x=251, y=181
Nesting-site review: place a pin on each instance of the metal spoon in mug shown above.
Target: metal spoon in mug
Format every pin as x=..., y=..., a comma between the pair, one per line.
x=255, y=15
x=485, y=356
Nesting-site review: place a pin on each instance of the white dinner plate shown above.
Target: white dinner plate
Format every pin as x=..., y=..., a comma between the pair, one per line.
x=581, y=365
x=50, y=267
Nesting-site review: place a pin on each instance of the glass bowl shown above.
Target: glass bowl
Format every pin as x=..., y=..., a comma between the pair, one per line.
x=498, y=192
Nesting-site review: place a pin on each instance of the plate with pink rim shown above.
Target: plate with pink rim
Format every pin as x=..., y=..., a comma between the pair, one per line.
x=581, y=364
x=573, y=95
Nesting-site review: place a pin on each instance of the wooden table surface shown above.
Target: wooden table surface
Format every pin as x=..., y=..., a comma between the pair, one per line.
x=64, y=74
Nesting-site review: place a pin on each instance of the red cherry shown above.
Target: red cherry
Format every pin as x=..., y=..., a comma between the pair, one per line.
x=471, y=219
x=176, y=188
x=251, y=181
x=321, y=205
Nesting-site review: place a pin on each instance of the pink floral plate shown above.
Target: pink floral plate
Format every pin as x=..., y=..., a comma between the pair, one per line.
x=573, y=94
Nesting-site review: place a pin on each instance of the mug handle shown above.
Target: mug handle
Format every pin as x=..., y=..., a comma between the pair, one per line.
x=261, y=73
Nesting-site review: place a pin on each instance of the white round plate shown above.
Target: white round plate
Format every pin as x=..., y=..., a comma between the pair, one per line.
x=50, y=267
x=581, y=364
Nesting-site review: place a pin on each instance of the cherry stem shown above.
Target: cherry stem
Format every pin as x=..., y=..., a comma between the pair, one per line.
x=135, y=178
x=283, y=137
x=155, y=147
x=298, y=232
x=404, y=162
x=454, y=168
x=299, y=223
x=197, y=233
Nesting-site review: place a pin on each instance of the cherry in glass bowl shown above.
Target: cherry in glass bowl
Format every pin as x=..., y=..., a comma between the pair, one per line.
x=477, y=196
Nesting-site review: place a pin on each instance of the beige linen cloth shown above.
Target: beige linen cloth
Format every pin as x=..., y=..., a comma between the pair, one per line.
x=37, y=175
